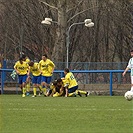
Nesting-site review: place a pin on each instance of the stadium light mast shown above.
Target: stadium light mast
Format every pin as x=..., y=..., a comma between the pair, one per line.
x=86, y=22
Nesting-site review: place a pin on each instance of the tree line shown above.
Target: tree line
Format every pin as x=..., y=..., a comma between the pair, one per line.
x=110, y=40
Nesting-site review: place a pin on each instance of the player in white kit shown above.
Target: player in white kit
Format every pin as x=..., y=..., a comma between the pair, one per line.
x=130, y=66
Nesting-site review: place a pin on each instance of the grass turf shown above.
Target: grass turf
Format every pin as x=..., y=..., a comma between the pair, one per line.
x=93, y=114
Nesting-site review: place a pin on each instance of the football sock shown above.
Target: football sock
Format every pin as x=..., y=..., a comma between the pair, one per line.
x=44, y=91
x=81, y=92
x=40, y=88
x=34, y=91
x=71, y=94
x=28, y=87
x=24, y=90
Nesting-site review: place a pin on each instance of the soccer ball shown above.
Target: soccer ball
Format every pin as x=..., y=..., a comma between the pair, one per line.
x=128, y=95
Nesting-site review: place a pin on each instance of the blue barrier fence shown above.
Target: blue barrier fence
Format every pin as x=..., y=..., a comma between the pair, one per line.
x=3, y=71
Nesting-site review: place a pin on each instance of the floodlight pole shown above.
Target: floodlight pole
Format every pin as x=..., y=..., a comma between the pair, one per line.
x=68, y=41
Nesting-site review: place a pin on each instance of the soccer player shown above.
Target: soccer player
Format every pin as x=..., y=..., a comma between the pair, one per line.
x=59, y=88
x=27, y=60
x=71, y=85
x=46, y=67
x=36, y=79
x=130, y=66
x=21, y=68
x=52, y=90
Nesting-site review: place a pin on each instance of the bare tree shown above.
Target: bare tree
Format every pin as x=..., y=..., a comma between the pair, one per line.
x=108, y=41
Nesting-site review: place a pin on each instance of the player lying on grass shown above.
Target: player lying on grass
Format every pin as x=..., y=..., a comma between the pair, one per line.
x=71, y=85
x=57, y=89
x=61, y=86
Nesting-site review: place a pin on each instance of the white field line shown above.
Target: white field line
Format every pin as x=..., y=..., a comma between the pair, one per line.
x=85, y=109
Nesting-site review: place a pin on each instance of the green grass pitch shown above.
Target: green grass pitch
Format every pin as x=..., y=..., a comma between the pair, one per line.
x=92, y=114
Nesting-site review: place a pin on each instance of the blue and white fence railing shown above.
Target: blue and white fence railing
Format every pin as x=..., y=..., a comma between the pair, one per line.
x=3, y=71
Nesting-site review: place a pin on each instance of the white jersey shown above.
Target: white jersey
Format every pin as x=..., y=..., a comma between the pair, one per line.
x=130, y=65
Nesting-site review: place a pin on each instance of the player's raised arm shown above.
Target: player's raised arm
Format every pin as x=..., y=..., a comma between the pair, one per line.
x=123, y=74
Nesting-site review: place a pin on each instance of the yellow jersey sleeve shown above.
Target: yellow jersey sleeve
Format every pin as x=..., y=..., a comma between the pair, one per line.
x=27, y=60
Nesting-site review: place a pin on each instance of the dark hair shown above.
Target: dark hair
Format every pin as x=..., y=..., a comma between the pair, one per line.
x=23, y=56
x=59, y=80
x=66, y=70
x=131, y=50
x=45, y=55
x=54, y=82
x=31, y=63
x=20, y=59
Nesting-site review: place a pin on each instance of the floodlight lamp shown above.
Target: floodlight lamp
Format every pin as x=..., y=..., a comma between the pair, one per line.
x=46, y=22
x=48, y=19
x=91, y=24
x=87, y=21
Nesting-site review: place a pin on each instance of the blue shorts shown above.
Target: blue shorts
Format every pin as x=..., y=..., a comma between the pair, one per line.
x=73, y=89
x=22, y=78
x=36, y=79
x=46, y=79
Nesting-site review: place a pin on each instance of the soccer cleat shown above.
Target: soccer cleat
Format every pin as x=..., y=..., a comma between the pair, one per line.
x=45, y=95
x=79, y=94
x=23, y=95
x=34, y=96
x=87, y=94
x=74, y=95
